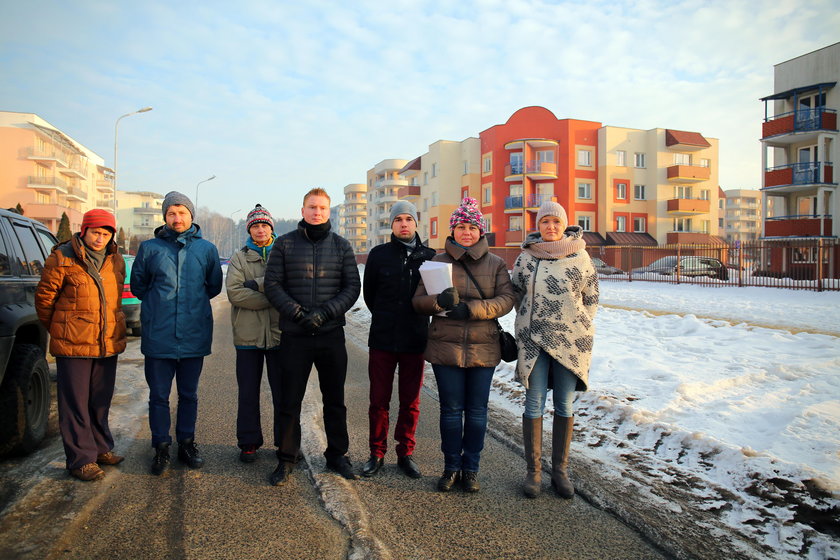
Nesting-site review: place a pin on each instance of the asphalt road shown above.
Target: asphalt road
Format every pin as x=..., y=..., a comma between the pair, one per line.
x=228, y=510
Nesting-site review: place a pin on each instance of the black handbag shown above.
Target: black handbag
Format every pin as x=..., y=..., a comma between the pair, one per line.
x=507, y=343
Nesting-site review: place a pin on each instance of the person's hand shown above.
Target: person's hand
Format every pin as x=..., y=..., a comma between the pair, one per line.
x=460, y=312
x=300, y=314
x=313, y=320
x=448, y=298
x=251, y=285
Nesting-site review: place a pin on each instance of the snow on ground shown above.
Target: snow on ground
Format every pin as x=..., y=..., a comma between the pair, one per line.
x=697, y=388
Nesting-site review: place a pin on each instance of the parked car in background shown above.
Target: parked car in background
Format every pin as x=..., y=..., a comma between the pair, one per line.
x=130, y=304
x=25, y=386
x=692, y=266
x=603, y=268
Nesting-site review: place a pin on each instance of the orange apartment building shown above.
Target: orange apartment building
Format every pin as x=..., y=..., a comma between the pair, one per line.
x=48, y=173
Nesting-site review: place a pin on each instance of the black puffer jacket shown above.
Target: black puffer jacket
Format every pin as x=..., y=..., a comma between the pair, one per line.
x=321, y=274
x=391, y=277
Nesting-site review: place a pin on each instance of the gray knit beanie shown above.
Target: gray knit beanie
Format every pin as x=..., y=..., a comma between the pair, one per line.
x=174, y=197
x=551, y=208
x=403, y=207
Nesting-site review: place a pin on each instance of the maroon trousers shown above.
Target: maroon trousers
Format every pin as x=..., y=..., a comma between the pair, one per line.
x=381, y=368
x=85, y=387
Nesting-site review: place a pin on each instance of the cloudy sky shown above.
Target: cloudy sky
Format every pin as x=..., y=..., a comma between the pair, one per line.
x=275, y=97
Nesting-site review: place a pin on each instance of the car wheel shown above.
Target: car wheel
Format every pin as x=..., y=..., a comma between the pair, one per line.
x=24, y=401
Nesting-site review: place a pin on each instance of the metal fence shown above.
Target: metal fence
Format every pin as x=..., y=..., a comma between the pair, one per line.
x=804, y=263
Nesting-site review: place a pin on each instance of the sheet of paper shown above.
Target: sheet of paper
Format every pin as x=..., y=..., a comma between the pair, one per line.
x=437, y=276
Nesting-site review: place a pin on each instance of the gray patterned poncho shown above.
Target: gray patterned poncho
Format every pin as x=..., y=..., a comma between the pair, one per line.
x=556, y=303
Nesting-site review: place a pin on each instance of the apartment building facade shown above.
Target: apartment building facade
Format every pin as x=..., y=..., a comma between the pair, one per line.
x=48, y=173
x=656, y=187
x=353, y=216
x=742, y=215
x=139, y=212
x=800, y=145
x=437, y=181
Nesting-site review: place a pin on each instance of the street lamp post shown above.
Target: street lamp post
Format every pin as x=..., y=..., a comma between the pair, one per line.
x=196, y=193
x=116, y=125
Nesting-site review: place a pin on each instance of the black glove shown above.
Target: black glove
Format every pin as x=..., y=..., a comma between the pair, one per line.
x=251, y=285
x=448, y=298
x=460, y=312
x=313, y=320
x=300, y=314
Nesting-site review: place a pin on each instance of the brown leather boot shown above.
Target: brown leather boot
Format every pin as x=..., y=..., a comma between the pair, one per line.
x=532, y=429
x=561, y=440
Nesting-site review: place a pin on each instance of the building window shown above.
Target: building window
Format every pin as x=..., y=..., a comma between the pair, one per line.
x=465, y=193
x=488, y=195
x=487, y=227
x=516, y=189
x=639, y=160
x=704, y=226
x=433, y=224
x=515, y=223
x=434, y=199
x=620, y=223
x=682, y=224
x=621, y=158
x=434, y=170
x=621, y=191
x=584, y=191
x=466, y=167
x=682, y=159
x=639, y=225
x=584, y=158
x=585, y=222
x=639, y=192
x=705, y=162
x=682, y=192
x=486, y=164
x=425, y=177
x=704, y=194
x=545, y=156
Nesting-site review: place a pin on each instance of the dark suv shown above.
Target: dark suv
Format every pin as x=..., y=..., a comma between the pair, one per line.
x=24, y=376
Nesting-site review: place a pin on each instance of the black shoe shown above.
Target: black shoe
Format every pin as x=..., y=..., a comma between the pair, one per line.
x=373, y=465
x=469, y=480
x=409, y=467
x=281, y=474
x=448, y=480
x=188, y=454
x=342, y=466
x=248, y=454
x=161, y=461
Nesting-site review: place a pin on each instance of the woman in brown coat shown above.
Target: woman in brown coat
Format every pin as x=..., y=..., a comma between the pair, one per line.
x=79, y=301
x=463, y=346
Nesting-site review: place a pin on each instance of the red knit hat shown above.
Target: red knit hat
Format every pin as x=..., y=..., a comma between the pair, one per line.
x=98, y=218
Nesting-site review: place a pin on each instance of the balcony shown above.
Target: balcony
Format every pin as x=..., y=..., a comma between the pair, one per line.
x=533, y=169
x=798, y=126
x=535, y=200
x=411, y=192
x=74, y=193
x=390, y=182
x=47, y=154
x=47, y=184
x=688, y=206
x=689, y=238
x=104, y=185
x=107, y=203
x=798, y=226
x=513, y=204
x=799, y=174
x=514, y=237
x=148, y=210
x=688, y=173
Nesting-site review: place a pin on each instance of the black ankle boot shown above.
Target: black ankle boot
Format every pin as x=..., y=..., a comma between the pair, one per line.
x=161, y=461
x=188, y=454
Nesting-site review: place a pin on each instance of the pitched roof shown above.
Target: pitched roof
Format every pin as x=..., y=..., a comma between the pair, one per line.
x=413, y=165
x=634, y=239
x=682, y=137
x=593, y=238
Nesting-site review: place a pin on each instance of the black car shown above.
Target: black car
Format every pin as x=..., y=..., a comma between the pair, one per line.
x=603, y=268
x=685, y=266
x=25, y=387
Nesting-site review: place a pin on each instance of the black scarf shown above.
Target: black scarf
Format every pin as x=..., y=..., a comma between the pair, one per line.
x=315, y=232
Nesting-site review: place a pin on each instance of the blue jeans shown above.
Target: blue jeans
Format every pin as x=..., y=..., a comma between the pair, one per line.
x=463, y=394
x=564, y=382
x=159, y=375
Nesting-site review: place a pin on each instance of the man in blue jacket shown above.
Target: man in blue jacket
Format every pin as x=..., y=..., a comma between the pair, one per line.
x=175, y=275
x=313, y=280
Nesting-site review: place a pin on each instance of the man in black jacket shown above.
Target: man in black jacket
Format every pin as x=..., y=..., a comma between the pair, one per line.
x=313, y=280
x=397, y=337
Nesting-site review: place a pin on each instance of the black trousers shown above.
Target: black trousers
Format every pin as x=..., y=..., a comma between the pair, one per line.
x=85, y=387
x=249, y=370
x=329, y=356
